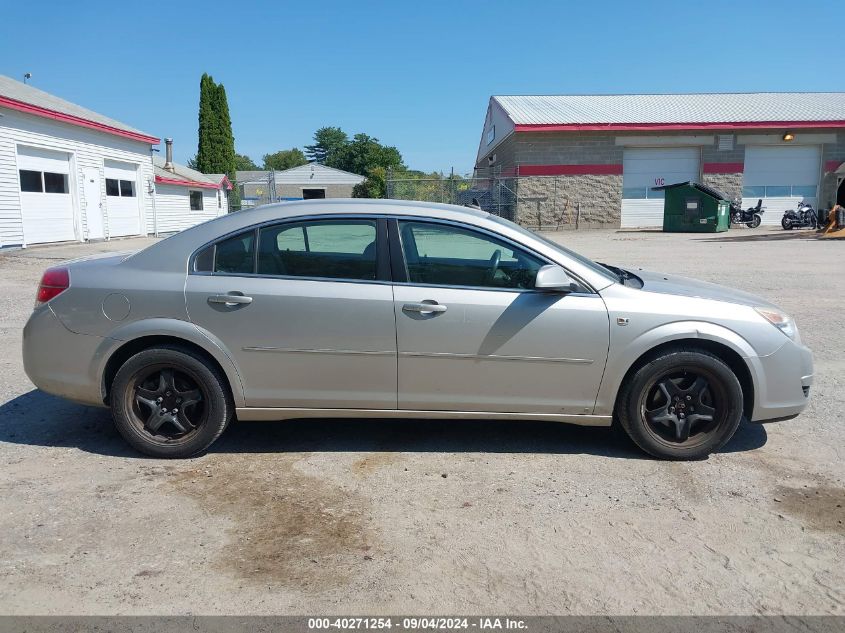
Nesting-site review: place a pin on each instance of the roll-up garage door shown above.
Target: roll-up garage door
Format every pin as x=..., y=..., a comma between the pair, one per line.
x=46, y=202
x=645, y=168
x=782, y=177
x=124, y=212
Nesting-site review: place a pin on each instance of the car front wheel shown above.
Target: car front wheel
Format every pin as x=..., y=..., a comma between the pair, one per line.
x=170, y=402
x=682, y=404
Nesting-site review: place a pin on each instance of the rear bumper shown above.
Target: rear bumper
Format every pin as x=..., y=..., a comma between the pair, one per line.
x=59, y=361
x=786, y=376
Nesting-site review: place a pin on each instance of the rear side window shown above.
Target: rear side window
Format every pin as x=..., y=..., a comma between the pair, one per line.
x=234, y=255
x=333, y=249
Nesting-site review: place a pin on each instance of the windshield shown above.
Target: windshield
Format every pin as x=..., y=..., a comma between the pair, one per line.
x=589, y=263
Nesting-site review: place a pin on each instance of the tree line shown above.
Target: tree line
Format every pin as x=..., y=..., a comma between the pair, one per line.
x=360, y=154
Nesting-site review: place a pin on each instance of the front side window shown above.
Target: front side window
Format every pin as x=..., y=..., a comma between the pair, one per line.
x=333, y=249
x=196, y=200
x=447, y=255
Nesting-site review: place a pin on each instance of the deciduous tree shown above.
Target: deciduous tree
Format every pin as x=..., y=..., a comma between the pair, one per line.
x=285, y=159
x=327, y=140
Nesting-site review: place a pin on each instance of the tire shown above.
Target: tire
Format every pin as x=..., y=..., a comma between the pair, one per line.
x=755, y=222
x=786, y=223
x=810, y=220
x=641, y=402
x=166, y=378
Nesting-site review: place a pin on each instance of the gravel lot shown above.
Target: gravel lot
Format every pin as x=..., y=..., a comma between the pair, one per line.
x=381, y=517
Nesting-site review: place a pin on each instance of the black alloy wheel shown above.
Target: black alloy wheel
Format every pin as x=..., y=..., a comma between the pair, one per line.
x=682, y=403
x=170, y=401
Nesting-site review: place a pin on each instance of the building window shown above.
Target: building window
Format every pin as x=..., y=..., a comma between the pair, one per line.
x=313, y=194
x=127, y=189
x=780, y=191
x=219, y=199
x=196, y=200
x=121, y=188
x=55, y=183
x=43, y=182
x=31, y=181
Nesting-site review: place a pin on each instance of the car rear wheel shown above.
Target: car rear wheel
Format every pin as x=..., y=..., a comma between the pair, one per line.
x=170, y=402
x=683, y=404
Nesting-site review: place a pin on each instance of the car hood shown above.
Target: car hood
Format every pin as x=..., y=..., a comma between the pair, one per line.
x=665, y=283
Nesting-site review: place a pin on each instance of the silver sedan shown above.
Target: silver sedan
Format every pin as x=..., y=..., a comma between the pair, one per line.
x=374, y=308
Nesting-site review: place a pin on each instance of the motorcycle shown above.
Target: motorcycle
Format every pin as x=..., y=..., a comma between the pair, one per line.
x=804, y=216
x=750, y=217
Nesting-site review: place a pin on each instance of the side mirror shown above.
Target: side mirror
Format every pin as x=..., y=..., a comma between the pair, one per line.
x=553, y=278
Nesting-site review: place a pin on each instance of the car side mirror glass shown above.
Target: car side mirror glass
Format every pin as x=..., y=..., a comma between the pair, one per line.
x=553, y=278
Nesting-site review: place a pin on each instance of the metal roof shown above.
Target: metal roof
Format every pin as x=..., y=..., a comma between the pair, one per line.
x=311, y=173
x=183, y=172
x=26, y=94
x=674, y=108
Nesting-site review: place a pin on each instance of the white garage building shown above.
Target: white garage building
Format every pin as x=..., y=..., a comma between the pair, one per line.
x=67, y=173
x=185, y=197
x=607, y=153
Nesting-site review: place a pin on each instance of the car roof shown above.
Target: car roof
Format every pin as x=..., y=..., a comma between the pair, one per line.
x=366, y=206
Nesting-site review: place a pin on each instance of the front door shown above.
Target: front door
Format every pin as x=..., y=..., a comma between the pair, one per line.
x=306, y=310
x=473, y=335
x=93, y=203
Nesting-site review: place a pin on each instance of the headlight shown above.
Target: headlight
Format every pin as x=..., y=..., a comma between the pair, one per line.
x=780, y=320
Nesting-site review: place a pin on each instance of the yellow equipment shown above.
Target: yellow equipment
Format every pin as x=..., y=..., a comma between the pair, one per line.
x=834, y=230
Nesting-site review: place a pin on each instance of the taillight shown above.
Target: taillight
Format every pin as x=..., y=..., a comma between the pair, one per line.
x=54, y=282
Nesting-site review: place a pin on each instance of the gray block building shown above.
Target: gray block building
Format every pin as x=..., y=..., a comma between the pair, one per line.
x=548, y=159
x=298, y=183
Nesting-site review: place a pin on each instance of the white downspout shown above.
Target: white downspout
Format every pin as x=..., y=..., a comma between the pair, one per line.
x=152, y=191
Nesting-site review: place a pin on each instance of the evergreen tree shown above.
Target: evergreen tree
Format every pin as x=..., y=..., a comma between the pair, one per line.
x=216, y=146
x=207, y=134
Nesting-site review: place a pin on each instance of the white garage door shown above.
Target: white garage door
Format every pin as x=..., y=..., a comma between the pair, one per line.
x=782, y=177
x=645, y=168
x=124, y=212
x=46, y=202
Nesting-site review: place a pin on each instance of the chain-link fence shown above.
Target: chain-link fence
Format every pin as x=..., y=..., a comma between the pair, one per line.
x=539, y=202
x=257, y=188
x=489, y=192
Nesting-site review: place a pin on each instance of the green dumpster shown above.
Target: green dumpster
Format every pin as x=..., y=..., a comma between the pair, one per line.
x=691, y=207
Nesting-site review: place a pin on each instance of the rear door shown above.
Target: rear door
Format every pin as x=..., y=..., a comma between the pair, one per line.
x=306, y=309
x=473, y=335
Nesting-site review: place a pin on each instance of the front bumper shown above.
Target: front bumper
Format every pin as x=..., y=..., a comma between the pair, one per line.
x=785, y=378
x=61, y=362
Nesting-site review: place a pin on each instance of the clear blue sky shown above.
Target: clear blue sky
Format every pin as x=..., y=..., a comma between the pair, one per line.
x=415, y=75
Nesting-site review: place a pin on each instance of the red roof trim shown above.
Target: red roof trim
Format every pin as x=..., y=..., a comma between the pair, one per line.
x=186, y=183
x=226, y=182
x=28, y=108
x=569, y=170
x=723, y=168
x=632, y=127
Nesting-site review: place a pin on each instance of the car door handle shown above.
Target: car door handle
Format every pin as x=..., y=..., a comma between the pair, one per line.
x=230, y=299
x=424, y=307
